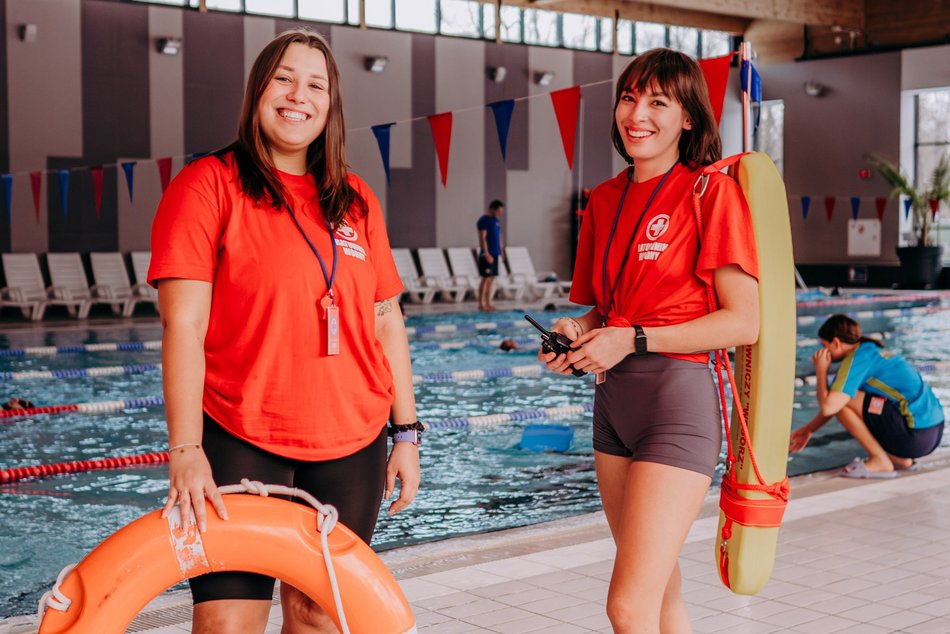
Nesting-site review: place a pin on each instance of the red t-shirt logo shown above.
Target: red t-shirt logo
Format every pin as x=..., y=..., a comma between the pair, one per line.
x=658, y=226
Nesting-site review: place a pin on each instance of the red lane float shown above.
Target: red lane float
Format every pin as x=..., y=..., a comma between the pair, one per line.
x=8, y=476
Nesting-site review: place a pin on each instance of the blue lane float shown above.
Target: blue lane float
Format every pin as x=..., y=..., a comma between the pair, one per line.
x=546, y=437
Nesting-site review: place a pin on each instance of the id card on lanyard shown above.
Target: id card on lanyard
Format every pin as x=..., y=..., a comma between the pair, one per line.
x=329, y=308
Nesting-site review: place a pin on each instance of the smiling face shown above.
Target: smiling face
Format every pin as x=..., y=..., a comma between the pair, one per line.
x=650, y=123
x=293, y=108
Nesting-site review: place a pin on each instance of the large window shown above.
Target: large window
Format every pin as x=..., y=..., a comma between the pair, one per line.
x=932, y=141
x=542, y=27
x=462, y=18
x=580, y=31
x=769, y=136
x=648, y=35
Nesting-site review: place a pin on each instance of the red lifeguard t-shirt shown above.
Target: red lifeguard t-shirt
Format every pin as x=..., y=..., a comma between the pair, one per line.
x=268, y=378
x=663, y=282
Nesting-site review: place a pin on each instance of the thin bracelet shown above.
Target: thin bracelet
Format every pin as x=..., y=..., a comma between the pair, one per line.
x=183, y=445
x=577, y=325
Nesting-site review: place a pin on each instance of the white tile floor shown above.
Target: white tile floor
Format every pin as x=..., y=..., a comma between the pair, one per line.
x=862, y=557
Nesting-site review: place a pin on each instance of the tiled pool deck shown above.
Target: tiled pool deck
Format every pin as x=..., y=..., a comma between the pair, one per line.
x=854, y=556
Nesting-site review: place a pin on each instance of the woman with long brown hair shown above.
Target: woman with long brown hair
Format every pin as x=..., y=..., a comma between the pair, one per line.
x=644, y=264
x=284, y=349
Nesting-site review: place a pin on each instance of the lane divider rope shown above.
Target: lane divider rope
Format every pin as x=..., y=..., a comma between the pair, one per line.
x=45, y=351
x=75, y=373
x=851, y=301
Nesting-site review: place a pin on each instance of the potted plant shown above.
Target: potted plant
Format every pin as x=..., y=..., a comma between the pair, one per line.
x=920, y=262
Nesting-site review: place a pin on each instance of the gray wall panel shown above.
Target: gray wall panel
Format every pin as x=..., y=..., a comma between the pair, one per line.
x=213, y=51
x=826, y=139
x=411, y=218
x=45, y=115
x=594, y=162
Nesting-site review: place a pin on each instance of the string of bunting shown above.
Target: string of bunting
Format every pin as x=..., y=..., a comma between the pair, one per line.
x=880, y=206
x=565, y=102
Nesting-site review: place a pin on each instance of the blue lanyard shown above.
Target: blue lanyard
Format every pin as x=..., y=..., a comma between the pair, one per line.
x=609, y=300
x=326, y=278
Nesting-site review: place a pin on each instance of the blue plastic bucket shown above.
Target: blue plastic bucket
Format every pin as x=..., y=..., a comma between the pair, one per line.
x=546, y=438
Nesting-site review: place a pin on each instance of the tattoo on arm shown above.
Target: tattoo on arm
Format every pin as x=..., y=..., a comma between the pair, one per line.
x=383, y=307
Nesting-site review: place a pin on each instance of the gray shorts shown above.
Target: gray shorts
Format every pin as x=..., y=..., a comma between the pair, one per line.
x=657, y=409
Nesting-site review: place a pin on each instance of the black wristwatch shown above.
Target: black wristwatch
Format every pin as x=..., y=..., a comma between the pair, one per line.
x=407, y=433
x=639, y=340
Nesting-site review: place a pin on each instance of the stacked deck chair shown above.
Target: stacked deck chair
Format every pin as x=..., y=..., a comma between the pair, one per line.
x=435, y=272
x=26, y=290
x=415, y=289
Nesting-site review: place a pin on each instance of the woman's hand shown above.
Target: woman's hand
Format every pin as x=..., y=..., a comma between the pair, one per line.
x=403, y=464
x=799, y=439
x=822, y=361
x=190, y=482
x=603, y=348
x=559, y=363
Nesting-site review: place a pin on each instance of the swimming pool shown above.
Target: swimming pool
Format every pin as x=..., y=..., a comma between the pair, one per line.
x=474, y=479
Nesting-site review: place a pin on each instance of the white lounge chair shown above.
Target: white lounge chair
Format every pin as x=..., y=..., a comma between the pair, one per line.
x=542, y=285
x=435, y=272
x=463, y=264
x=112, y=281
x=69, y=282
x=26, y=290
x=415, y=289
x=140, y=263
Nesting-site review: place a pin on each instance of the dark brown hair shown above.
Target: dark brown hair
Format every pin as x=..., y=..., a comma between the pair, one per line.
x=326, y=156
x=680, y=77
x=845, y=329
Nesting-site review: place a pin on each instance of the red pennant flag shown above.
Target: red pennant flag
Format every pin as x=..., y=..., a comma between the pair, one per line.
x=96, y=173
x=881, y=204
x=164, y=171
x=716, y=72
x=441, y=125
x=567, y=102
x=934, y=206
x=36, y=179
x=829, y=206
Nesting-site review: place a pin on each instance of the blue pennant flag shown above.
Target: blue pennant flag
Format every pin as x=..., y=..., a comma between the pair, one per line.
x=8, y=194
x=806, y=201
x=196, y=156
x=907, y=204
x=855, y=206
x=502, y=111
x=381, y=132
x=755, y=92
x=129, y=169
x=64, y=191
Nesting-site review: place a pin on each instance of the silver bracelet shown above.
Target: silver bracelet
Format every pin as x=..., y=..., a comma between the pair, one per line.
x=183, y=445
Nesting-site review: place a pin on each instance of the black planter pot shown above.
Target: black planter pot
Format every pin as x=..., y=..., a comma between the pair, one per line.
x=920, y=266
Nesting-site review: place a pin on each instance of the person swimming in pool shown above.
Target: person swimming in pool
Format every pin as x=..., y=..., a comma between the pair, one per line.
x=877, y=396
x=18, y=402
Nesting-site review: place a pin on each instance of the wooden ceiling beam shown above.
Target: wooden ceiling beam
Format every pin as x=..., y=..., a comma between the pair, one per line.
x=640, y=11
x=849, y=13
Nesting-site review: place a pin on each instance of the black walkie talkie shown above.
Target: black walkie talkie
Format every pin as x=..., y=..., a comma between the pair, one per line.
x=554, y=342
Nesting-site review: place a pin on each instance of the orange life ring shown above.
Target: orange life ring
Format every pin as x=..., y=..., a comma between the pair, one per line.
x=265, y=535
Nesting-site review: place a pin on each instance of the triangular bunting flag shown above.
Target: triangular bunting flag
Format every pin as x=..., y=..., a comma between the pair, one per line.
x=829, y=207
x=855, y=207
x=64, y=191
x=441, y=125
x=502, y=111
x=129, y=169
x=881, y=204
x=716, y=72
x=164, y=171
x=96, y=173
x=907, y=203
x=567, y=103
x=934, y=206
x=36, y=180
x=382, y=134
x=806, y=202
x=8, y=195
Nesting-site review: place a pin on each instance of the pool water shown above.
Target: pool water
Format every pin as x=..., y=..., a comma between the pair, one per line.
x=474, y=480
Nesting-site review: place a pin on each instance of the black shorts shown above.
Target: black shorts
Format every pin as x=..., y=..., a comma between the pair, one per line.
x=891, y=430
x=654, y=408
x=353, y=484
x=488, y=270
